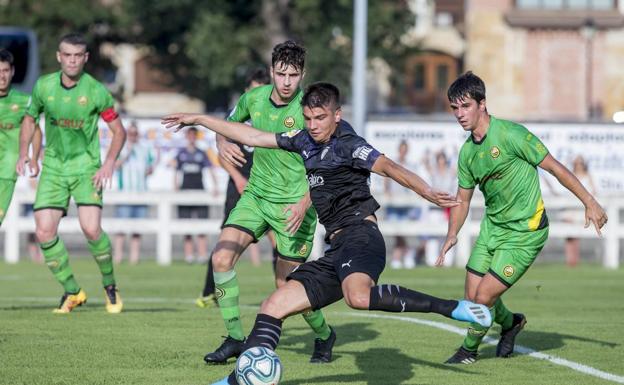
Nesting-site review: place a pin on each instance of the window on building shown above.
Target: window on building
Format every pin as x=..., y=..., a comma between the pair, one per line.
x=419, y=76
x=442, y=77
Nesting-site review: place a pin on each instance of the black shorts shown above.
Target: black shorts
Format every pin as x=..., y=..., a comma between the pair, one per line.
x=195, y=212
x=231, y=197
x=358, y=248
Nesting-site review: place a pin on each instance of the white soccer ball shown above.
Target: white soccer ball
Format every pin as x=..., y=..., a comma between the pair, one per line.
x=258, y=366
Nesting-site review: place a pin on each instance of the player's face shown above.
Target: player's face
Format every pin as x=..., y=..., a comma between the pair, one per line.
x=72, y=59
x=133, y=134
x=191, y=136
x=6, y=75
x=286, y=79
x=468, y=112
x=321, y=122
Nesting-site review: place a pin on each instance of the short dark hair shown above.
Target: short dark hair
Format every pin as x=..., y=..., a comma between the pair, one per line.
x=6, y=56
x=258, y=75
x=321, y=94
x=289, y=53
x=73, y=39
x=192, y=129
x=467, y=85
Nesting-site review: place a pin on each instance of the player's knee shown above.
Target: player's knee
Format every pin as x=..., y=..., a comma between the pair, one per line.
x=272, y=306
x=44, y=234
x=222, y=261
x=92, y=232
x=279, y=282
x=357, y=299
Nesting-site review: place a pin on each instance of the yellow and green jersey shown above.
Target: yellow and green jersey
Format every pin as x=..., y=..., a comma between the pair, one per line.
x=12, y=109
x=71, y=116
x=503, y=164
x=277, y=175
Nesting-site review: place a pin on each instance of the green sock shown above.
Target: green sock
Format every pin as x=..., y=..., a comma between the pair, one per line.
x=227, y=296
x=503, y=316
x=317, y=322
x=476, y=333
x=57, y=259
x=101, y=250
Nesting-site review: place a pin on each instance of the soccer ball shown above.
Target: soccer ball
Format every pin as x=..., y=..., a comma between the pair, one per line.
x=258, y=366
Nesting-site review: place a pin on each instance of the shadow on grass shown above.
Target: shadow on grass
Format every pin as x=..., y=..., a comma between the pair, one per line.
x=380, y=366
x=543, y=342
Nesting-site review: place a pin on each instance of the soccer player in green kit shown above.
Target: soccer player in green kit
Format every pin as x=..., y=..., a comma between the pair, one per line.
x=72, y=102
x=12, y=110
x=276, y=197
x=502, y=158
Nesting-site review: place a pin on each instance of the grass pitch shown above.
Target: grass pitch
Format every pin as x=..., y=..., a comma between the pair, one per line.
x=161, y=337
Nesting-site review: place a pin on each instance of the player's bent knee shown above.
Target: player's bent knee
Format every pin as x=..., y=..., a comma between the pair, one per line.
x=358, y=300
x=273, y=306
x=222, y=261
x=91, y=232
x=45, y=235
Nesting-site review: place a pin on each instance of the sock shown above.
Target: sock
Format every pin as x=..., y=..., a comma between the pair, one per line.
x=265, y=332
x=318, y=324
x=209, y=283
x=503, y=316
x=394, y=298
x=227, y=296
x=57, y=259
x=475, y=333
x=101, y=250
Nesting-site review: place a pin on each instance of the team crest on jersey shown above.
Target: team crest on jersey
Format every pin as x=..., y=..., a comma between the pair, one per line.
x=14, y=107
x=495, y=152
x=508, y=271
x=289, y=122
x=83, y=100
x=303, y=250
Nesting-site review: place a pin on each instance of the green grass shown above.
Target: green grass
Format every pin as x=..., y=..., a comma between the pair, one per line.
x=161, y=337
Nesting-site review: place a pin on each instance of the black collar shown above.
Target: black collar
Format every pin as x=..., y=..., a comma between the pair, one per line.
x=282, y=105
x=7, y=94
x=63, y=85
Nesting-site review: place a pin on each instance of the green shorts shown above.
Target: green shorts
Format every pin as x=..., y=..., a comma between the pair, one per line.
x=54, y=191
x=6, y=193
x=504, y=253
x=256, y=216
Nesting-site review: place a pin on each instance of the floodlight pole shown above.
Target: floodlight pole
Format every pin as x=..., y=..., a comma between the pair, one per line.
x=358, y=79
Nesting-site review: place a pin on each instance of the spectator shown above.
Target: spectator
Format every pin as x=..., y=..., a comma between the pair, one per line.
x=402, y=254
x=136, y=162
x=443, y=177
x=190, y=163
x=573, y=245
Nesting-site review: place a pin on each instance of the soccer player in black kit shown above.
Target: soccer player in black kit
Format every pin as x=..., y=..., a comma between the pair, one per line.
x=338, y=163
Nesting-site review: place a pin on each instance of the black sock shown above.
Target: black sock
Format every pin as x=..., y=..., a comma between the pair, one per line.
x=275, y=256
x=394, y=298
x=209, y=283
x=266, y=332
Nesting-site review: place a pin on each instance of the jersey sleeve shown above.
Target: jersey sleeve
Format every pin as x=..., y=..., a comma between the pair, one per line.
x=240, y=113
x=464, y=176
x=293, y=140
x=526, y=145
x=363, y=155
x=34, y=107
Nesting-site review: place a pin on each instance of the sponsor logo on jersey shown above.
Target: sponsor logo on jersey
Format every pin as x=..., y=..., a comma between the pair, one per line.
x=14, y=107
x=540, y=147
x=289, y=122
x=508, y=271
x=362, y=152
x=291, y=133
x=273, y=117
x=83, y=100
x=315, y=180
x=495, y=152
x=76, y=124
x=303, y=249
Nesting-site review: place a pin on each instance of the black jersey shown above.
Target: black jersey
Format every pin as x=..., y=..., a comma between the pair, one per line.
x=338, y=174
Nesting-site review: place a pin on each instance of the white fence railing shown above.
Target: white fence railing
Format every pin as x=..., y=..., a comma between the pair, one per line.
x=165, y=226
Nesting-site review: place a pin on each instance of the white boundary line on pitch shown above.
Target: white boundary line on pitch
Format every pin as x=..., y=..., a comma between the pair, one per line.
x=493, y=341
x=438, y=325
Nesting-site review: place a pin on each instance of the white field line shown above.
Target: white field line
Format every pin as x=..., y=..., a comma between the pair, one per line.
x=438, y=325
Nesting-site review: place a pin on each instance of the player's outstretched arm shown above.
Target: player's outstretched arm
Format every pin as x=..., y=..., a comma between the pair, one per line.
x=27, y=130
x=386, y=167
x=594, y=213
x=458, y=216
x=238, y=132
